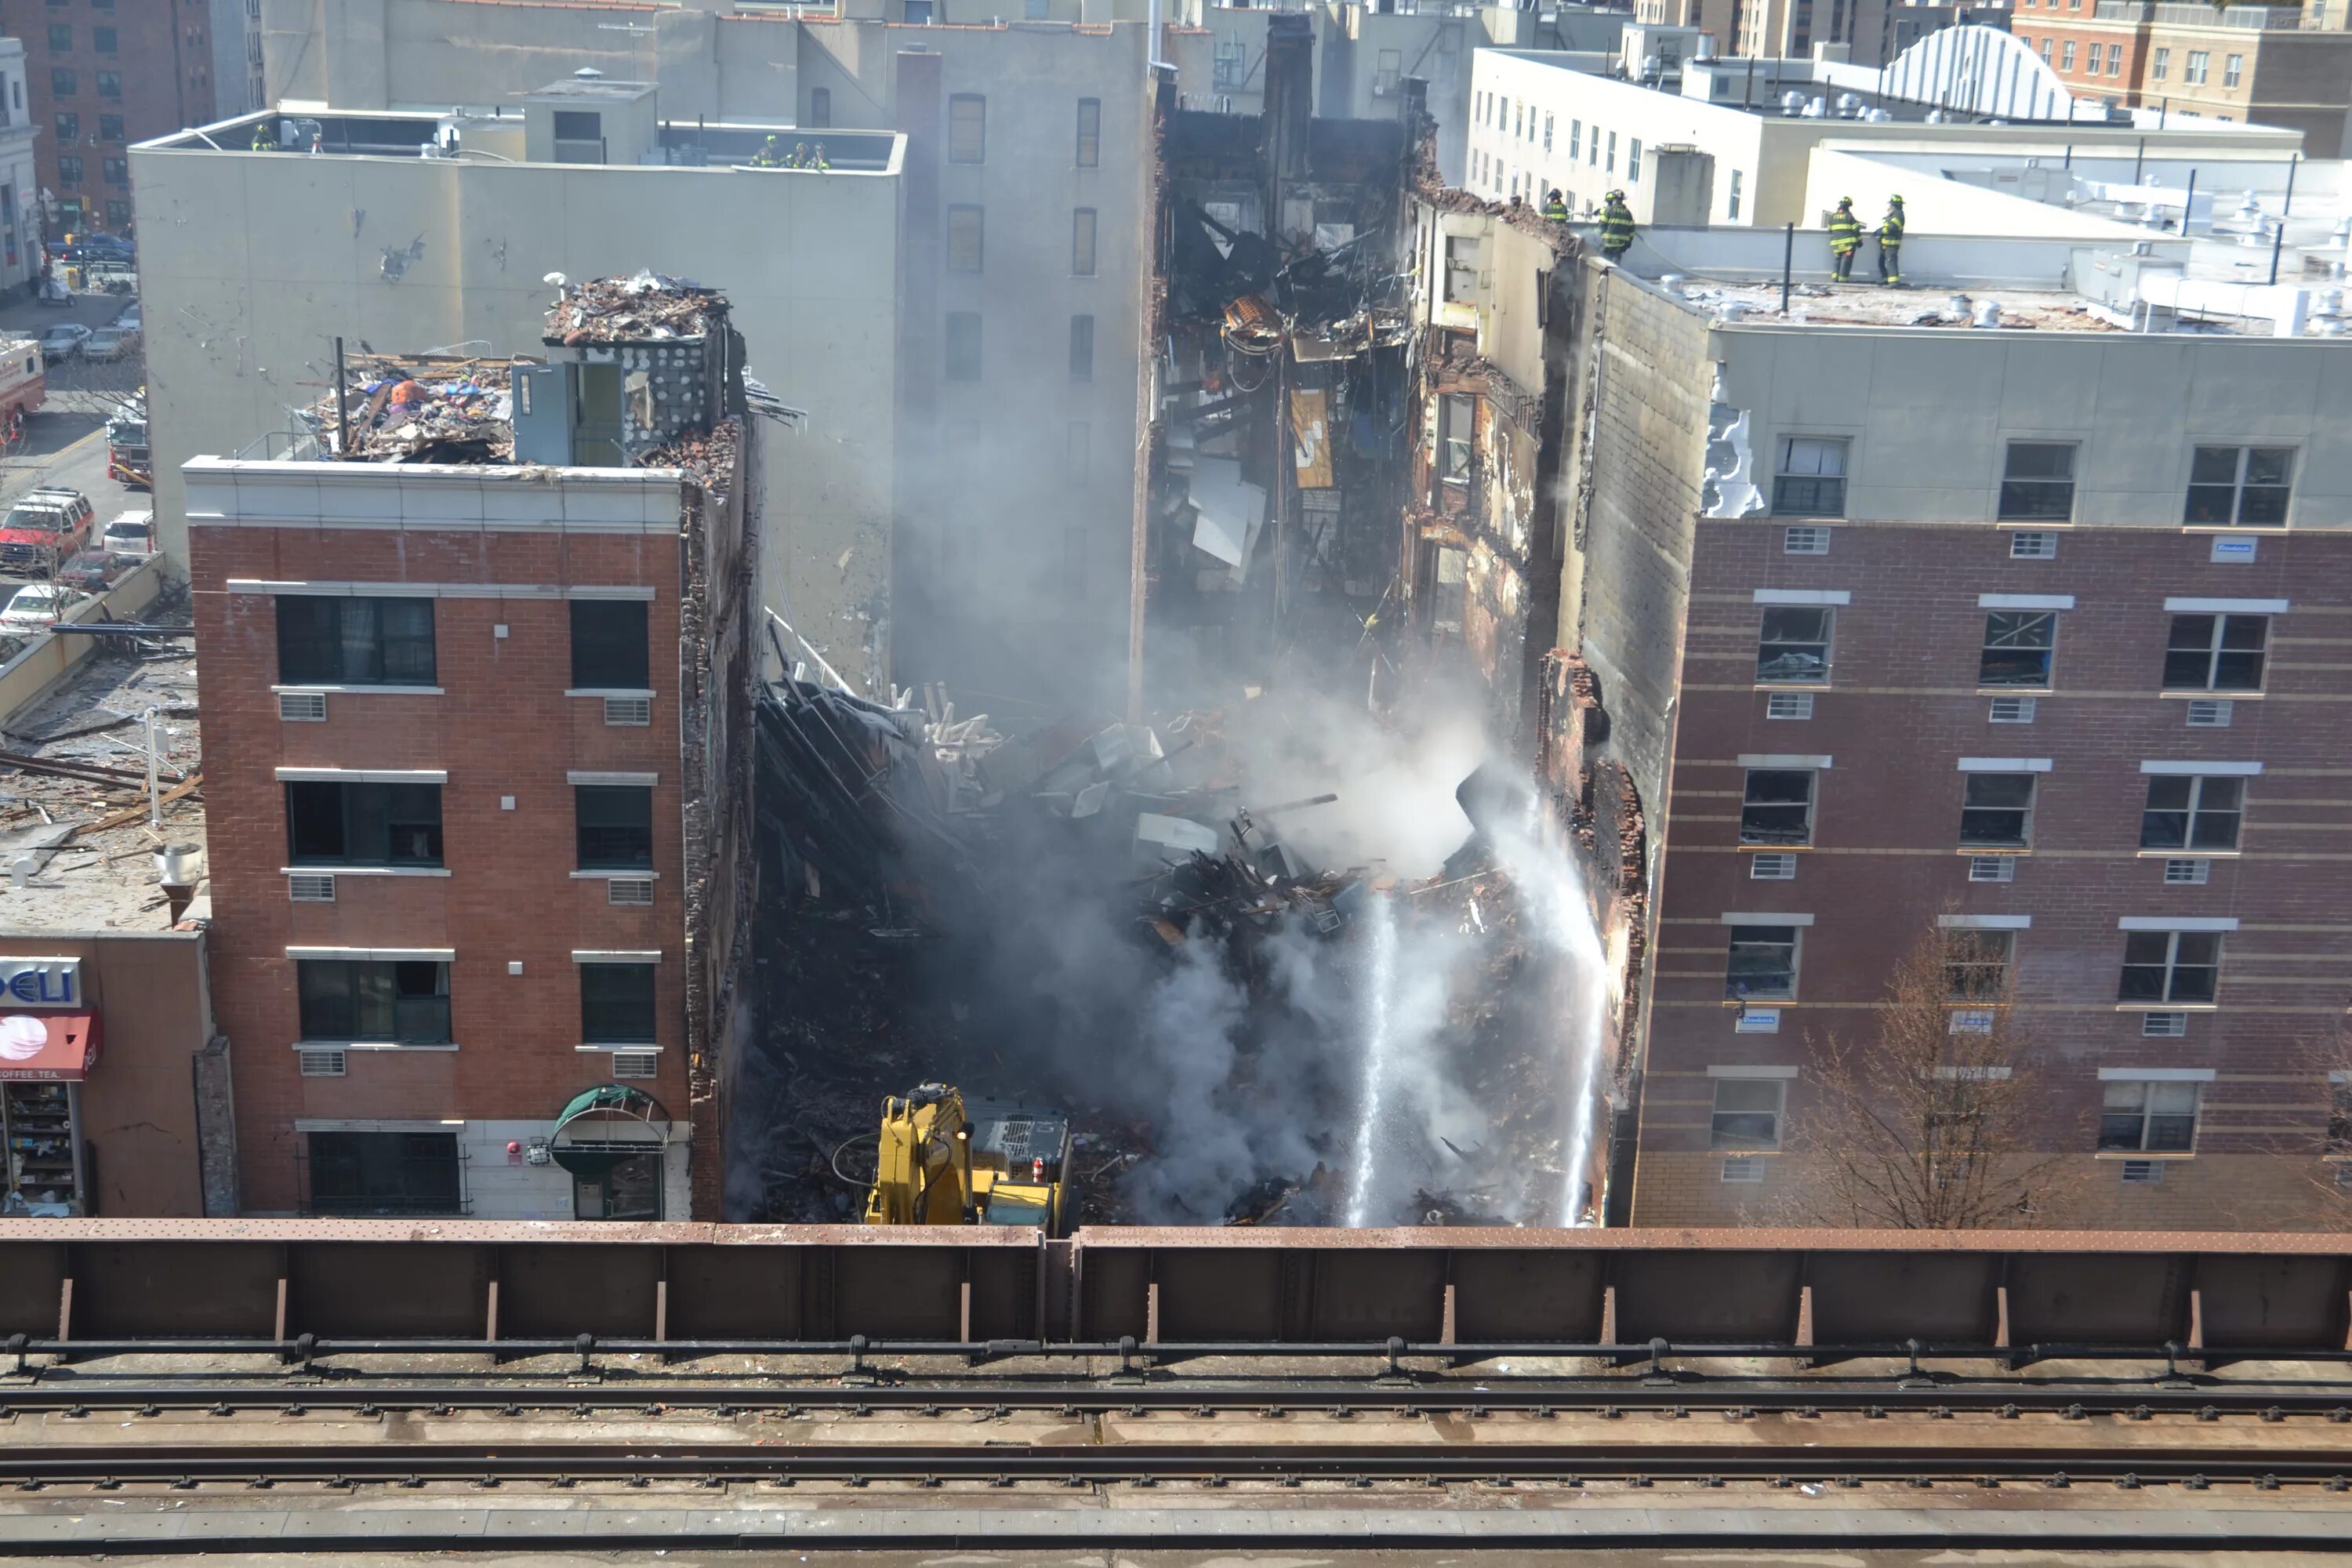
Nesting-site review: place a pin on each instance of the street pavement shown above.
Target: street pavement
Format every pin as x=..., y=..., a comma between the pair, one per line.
x=65, y=443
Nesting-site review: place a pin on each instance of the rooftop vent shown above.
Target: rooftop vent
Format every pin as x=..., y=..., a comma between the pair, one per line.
x=1793, y=104
x=1987, y=314
x=1849, y=107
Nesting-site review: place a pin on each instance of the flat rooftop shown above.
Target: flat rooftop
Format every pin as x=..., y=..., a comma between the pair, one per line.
x=396, y=133
x=73, y=793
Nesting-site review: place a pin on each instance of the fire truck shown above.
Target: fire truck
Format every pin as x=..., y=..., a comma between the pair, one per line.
x=128, y=461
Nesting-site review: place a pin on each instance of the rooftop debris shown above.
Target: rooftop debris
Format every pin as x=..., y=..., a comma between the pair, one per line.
x=642, y=308
x=708, y=455
x=421, y=408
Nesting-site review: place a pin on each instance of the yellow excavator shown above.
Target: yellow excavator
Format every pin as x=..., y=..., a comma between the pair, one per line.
x=941, y=1162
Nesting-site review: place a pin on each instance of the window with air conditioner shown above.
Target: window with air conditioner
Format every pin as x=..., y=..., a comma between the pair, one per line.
x=615, y=826
x=2243, y=487
x=2157, y=1117
x=2170, y=966
x=2020, y=647
x=1747, y=1113
x=610, y=645
x=2038, y=478
x=1777, y=807
x=400, y=1002
x=327, y=641
x=363, y=823
x=1809, y=480
x=1793, y=646
x=616, y=1004
x=2216, y=653
x=1762, y=964
x=383, y=1174
x=1977, y=964
x=1997, y=810
x=2192, y=811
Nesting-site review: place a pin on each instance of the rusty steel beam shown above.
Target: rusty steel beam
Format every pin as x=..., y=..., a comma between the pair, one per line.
x=79, y=1281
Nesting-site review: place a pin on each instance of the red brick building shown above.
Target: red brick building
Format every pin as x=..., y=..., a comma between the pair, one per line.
x=102, y=75
x=474, y=885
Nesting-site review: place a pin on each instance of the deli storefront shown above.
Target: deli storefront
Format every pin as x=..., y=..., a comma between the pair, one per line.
x=44, y=1059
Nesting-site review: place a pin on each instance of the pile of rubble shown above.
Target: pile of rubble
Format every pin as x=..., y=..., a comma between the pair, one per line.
x=708, y=456
x=427, y=409
x=630, y=310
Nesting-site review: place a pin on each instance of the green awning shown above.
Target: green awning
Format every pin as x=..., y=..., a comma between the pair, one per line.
x=589, y=1155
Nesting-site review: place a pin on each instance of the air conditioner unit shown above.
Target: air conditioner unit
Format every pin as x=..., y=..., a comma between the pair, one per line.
x=1805, y=540
x=302, y=707
x=630, y=892
x=2012, y=711
x=2144, y=1173
x=1992, y=868
x=1743, y=1171
x=2164, y=1026
x=628, y=710
x=2034, y=544
x=2210, y=713
x=1772, y=867
x=2187, y=873
x=1788, y=705
x=321, y=1063
x=310, y=888
x=636, y=1064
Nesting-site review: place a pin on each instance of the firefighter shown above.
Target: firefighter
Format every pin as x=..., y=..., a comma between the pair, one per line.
x=1845, y=238
x=1890, y=243
x=816, y=159
x=1616, y=226
x=800, y=159
x=768, y=156
x=1555, y=208
x=265, y=140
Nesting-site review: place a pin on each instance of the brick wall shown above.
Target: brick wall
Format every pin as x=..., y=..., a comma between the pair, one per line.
x=501, y=727
x=162, y=53
x=1902, y=709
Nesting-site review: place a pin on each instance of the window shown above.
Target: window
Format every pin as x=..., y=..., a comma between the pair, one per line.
x=63, y=83
x=354, y=642
x=68, y=129
x=102, y=40
x=1082, y=243
x=1747, y=1113
x=1575, y=140
x=69, y=171
x=2170, y=966
x=820, y=116
x=1810, y=481
x=967, y=128
x=1734, y=213
x=1997, y=810
x=2045, y=50
x=1805, y=541
x=2215, y=653
x=110, y=84
x=60, y=38
x=2144, y=1116
x=2187, y=812
x=1461, y=270
x=965, y=239
x=332, y=822
x=1546, y=144
x=2233, y=69
x=1794, y=644
x=2241, y=486
x=1081, y=347
x=2096, y=57
x=404, y=1002
x=2066, y=56
x=1762, y=966
x=1090, y=133
x=116, y=170
x=2161, y=65
x=1976, y=965
x=109, y=128
x=2019, y=646
x=1457, y=414
x=1611, y=167
x=2198, y=63
x=615, y=827
x=2114, y=59
x=616, y=1004
x=610, y=644
x=1387, y=67
x=118, y=214
x=1077, y=451
x=1777, y=806
x=2037, y=483
x=1633, y=161
x=384, y=1173
x=964, y=345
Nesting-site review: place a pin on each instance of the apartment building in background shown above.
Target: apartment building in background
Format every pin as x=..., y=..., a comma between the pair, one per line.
x=1980, y=621
x=104, y=74
x=2248, y=65
x=20, y=209
x=479, y=760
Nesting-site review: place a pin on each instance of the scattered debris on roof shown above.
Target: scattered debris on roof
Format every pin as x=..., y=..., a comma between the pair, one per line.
x=422, y=408
x=631, y=310
x=708, y=455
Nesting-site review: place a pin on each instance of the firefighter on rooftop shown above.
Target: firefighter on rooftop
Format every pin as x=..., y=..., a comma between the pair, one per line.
x=1616, y=226
x=1845, y=238
x=768, y=156
x=1890, y=243
x=816, y=159
x=1554, y=209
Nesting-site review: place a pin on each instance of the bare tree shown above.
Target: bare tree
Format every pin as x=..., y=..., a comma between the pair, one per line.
x=1940, y=1119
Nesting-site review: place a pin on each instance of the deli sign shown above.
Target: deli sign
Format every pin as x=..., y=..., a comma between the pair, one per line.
x=40, y=983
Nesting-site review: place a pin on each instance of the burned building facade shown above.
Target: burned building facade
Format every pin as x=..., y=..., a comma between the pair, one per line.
x=479, y=748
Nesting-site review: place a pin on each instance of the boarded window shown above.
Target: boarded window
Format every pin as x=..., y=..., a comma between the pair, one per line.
x=967, y=129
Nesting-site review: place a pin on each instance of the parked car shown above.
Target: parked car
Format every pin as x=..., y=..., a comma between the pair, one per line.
x=63, y=341
x=133, y=533
x=94, y=571
x=35, y=607
x=129, y=319
x=46, y=524
x=109, y=343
